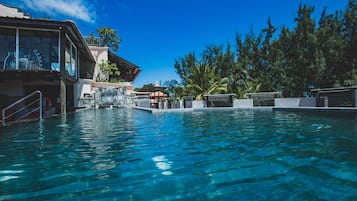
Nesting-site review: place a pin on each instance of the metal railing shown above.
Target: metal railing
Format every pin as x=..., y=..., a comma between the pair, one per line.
x=23, y=108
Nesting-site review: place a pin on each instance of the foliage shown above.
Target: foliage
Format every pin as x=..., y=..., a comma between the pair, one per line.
x=109, y=37
x=108, y=72
x=145, y=87
x=170, y=86
x=203, y=80
x=309, y=55
x=148, y=86
x=184, y=65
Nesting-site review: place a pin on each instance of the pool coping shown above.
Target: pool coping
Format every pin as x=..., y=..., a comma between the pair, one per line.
x=288, y=109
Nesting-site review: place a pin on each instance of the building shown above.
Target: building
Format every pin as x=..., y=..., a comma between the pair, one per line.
x=50, y=56
x=157, y=98
x=336, y=97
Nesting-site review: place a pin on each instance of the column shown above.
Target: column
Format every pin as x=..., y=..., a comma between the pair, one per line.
x=63, y=91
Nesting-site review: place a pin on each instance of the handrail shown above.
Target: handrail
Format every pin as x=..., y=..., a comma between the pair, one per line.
x=4, y=117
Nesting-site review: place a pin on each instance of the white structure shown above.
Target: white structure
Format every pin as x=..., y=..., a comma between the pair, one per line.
x=100, y=55
x=6, y=11
x=91, y=93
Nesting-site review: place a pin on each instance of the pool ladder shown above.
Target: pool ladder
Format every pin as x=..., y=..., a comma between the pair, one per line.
x=23, y=108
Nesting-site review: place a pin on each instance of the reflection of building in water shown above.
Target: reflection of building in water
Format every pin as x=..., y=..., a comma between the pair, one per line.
x=96, y=135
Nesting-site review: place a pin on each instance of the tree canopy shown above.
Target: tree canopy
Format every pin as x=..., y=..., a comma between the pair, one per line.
x=312, y=54
x=107, y=37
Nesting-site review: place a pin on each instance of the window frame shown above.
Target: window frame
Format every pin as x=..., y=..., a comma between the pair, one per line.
x=17, y=40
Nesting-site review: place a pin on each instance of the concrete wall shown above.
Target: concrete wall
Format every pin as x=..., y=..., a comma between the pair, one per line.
x=243, y=103
x=238, y=103
x=295, y=102
x=80, y=88
x=198, y=104
x=100, y=54
x=308, y=102
x=12, y=12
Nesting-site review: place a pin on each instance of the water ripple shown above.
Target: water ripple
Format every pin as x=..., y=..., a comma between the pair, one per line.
x=133, y=155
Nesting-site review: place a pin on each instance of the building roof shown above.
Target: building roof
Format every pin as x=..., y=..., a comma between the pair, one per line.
x=219, y=95
x=69, y=26
x=152, y=89
x=128, y=70
x=336, y=89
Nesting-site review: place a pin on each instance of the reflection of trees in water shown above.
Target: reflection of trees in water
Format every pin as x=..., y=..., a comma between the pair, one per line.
x=285, y=138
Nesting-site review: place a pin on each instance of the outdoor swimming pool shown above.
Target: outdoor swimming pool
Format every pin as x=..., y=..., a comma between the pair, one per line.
x=124, y=154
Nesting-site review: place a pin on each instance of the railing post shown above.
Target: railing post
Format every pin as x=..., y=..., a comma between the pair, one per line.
x=40, y=104
x=3, y=117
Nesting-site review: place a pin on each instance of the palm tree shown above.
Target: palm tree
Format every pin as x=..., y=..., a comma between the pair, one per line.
x=203, y=80
x=249, y=87
x=109, y=37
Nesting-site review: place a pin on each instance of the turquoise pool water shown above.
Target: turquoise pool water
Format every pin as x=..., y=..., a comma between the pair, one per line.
x=124, y=154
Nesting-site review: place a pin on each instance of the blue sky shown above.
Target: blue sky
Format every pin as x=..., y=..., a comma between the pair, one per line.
x=156, y=32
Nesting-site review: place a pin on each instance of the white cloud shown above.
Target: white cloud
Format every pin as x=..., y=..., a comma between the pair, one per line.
x=79, y=9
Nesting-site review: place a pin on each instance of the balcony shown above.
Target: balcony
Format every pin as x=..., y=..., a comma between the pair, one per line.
x=94, y=41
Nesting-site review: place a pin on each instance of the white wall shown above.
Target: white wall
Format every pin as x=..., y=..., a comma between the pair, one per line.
x=100, y=54
x=12, y=12
x=198, y=104
x=243, y=103
x=286, y=102
x=295, y=102
x=80, y=88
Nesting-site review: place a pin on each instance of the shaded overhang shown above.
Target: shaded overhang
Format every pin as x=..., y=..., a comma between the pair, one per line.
x=29, y=75
x=218, y=97
x=152, y=89
x=128, y=70
x=334, y=90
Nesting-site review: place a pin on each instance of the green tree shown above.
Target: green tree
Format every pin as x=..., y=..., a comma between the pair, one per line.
x=302, y=66
x=109, y=37
x=170, y=86
x=179, y=91
x=203, y=80
x=108, y=72
x=307, y=56
x=92, y=40
x=331, y=46
x=184, y=65
x=349, y=70
x=148, y=86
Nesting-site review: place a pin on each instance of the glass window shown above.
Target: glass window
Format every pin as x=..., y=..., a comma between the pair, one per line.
x=38, y=50
x=74, y=61
x=71, y=58
x=7, y=49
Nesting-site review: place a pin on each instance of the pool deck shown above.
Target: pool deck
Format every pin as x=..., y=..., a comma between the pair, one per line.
x=296, y=109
